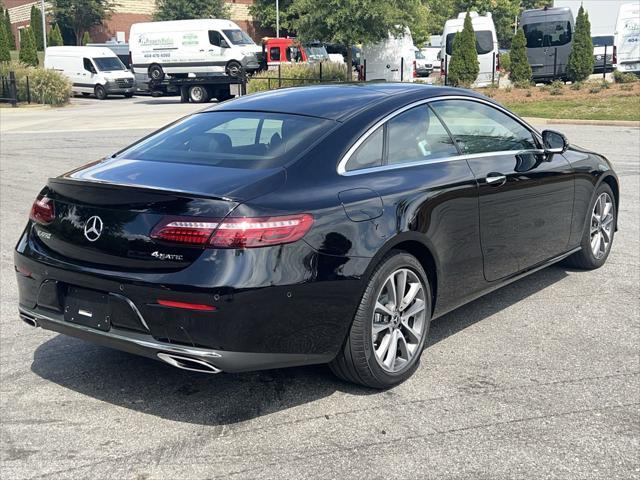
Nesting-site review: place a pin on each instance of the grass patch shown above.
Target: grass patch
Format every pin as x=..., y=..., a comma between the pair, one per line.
x=590, y=108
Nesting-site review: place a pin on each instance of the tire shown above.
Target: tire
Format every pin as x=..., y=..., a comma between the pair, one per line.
x=128, y=95
x=100, y=92
x=155, y=72
x=357, y=361
x=586, y=258
x=198, y=94
x=233, y=69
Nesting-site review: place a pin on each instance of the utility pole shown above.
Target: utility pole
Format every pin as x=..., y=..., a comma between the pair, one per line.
x=277, y=19
x=44, y=24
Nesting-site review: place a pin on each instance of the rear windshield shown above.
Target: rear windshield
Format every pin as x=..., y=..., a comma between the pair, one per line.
x=484, y=42
x=238, y=37
x=250, y=140
x=602, y=41
x=108, y=64
x=547, y=34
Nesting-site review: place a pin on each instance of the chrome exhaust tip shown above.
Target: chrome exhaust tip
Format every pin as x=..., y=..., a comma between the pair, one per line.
x=188, y=363
x=32, y=322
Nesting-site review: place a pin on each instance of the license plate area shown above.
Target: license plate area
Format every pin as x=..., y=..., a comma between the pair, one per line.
x=88, y=307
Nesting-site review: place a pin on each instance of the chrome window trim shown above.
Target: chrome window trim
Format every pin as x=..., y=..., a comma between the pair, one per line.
x=341, y=169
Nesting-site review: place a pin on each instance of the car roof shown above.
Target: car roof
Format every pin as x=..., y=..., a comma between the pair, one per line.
x=337, y=102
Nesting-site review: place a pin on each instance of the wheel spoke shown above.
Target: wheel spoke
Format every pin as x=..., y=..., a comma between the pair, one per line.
x=391, y=290
x=606, y=237
x=417, y=307
x=384, y=345
x=401, y=285
x=378, y=327
x=606, y=210
x=414, y=336
x=414, y=288
x=403, y=347
x=595, y=243
x=393, y=350
x=383, y=308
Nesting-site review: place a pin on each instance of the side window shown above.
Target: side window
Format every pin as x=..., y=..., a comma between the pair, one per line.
x=480, y=128
x=369, y=154
x=215, y=38
x=274, y=54
x=417, y=135
x=88, y=66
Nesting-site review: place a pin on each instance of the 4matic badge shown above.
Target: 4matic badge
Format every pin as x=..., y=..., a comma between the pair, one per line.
x=167, y=256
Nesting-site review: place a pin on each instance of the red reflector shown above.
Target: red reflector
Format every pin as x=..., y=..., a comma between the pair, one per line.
x=23, y=271
x=187, y=306
x=260, y=232
x=42, y=210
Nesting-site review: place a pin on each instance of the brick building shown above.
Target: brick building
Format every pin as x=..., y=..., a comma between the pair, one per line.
x=126, y=13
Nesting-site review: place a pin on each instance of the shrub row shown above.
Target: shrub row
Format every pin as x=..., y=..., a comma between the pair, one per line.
x=46, y=86
x=296, y=74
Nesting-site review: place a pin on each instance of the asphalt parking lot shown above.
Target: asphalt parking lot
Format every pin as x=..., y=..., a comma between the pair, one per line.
x=537, y=380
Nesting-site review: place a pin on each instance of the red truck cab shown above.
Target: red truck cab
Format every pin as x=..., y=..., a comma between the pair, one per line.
x=288, y=50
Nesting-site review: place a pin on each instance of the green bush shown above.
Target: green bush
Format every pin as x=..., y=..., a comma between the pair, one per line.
x=595, y=89
x=581, y=61
x=47, y=86
x=36, y=27
x=624, y=77
x=505, y=61
x=556, y=88
x=86, y=38
x=7, y=25
x=522, y=84
x=5, y=51
x=28, y=53
x=576, y=86
x=464, y=67
x=296, y=74
x=520, y=69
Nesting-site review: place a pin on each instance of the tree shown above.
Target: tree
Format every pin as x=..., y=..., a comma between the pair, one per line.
x=78, y=16
x=7, y=23
x=187, y=9
x=581, y=60
x=86, y=38
x=28, y=52
x=36, y=27
x=5, y=53
x=530, y=4
x=520, y=69
x=264, y=13
x=464, y=67
x=55, y=37
x=347, y=22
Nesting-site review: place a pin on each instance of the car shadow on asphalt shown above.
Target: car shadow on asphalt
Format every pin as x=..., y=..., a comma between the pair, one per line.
x=158, y=389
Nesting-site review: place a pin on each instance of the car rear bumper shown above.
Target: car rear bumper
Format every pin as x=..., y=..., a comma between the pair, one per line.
x=146, y=345
x=283, y=306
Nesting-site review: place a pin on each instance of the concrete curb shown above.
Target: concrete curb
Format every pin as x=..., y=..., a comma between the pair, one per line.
x=569, y=121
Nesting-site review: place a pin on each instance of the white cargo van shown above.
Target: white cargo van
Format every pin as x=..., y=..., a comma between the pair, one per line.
x=392, y=60
x=627, y=38
x=486, y=44
x=94, y=70
x=184, y=47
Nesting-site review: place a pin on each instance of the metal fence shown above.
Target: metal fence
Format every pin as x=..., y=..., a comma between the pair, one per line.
x=11, y=92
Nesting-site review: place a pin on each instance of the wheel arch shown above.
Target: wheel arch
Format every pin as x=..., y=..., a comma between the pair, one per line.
x=611, y=180
x=417, y=245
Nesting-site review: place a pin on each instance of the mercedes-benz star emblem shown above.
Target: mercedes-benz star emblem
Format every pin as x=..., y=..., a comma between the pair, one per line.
x=93, y=228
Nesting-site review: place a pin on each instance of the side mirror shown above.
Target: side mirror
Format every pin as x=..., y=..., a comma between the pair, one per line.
x=554, y=142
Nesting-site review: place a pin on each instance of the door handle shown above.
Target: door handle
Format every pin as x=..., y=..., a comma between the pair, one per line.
x=496, y=179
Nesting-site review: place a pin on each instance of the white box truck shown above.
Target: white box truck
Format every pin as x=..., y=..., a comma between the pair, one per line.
x=183, y=47
x=92, y=70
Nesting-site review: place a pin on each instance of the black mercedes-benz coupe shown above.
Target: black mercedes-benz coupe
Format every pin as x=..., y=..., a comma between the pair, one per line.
x=323, y=224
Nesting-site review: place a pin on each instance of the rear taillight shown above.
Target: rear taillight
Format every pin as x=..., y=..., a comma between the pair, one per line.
x=42, y=210
x=234, y=232
x=185, y=231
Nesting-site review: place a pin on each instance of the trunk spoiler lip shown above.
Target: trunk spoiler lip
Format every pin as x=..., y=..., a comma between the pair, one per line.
x=137, y=187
